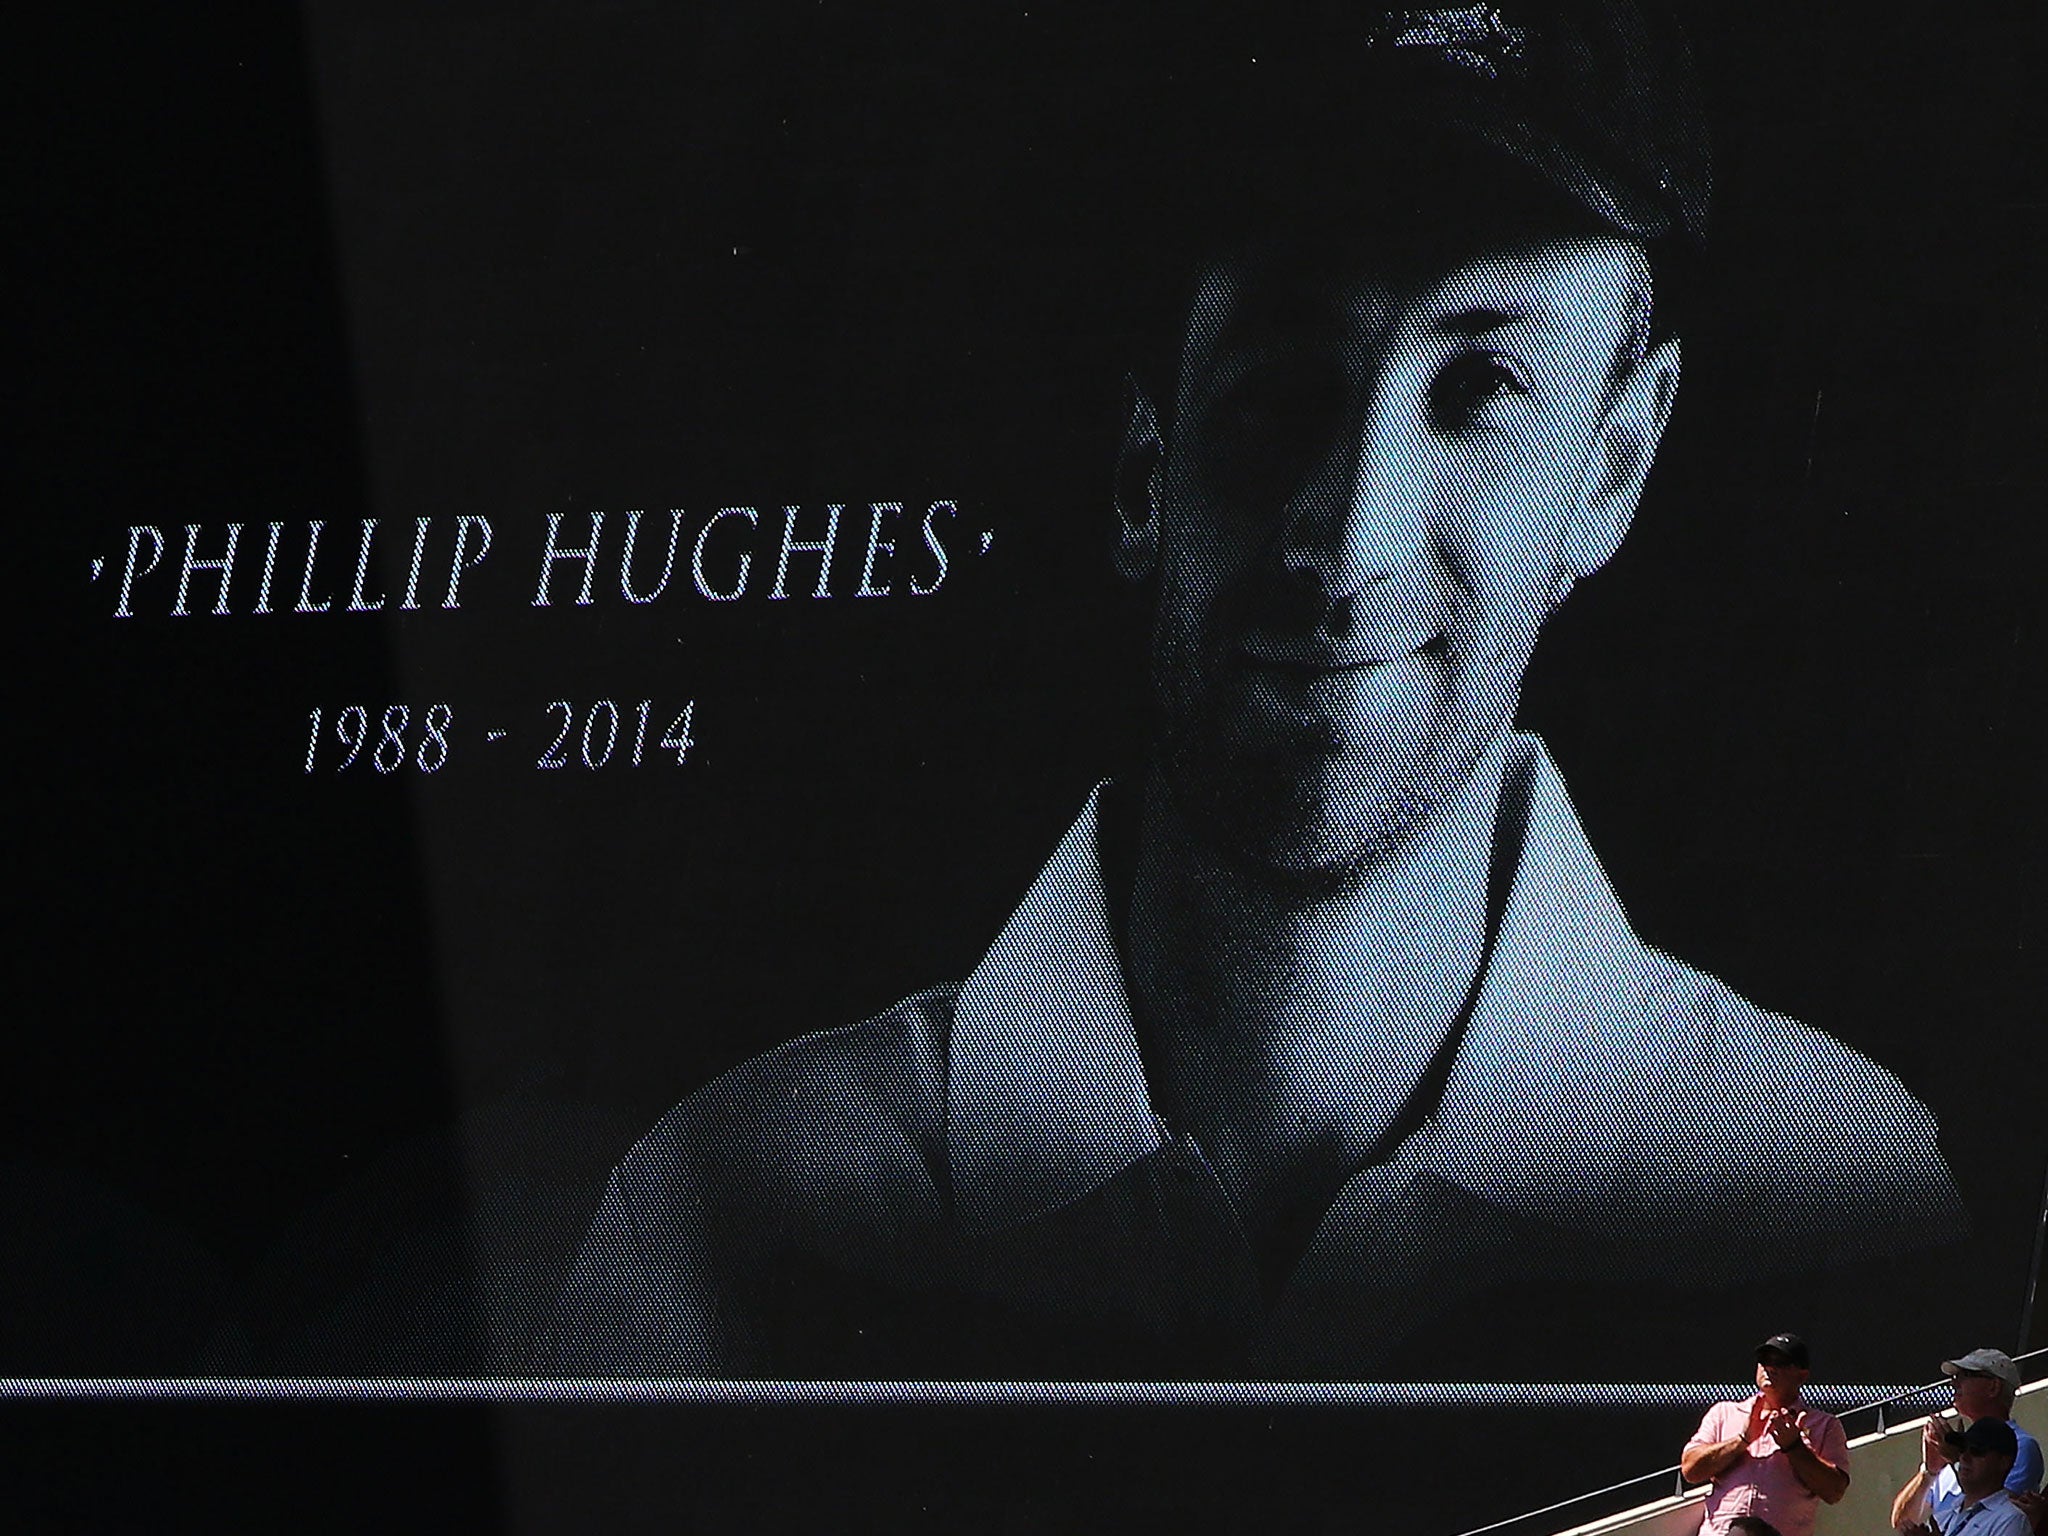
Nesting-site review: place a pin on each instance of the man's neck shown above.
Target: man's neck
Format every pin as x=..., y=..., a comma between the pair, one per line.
x=1288, y=1022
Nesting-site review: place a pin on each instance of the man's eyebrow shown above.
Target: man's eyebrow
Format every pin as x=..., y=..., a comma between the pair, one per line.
x=1481, y=320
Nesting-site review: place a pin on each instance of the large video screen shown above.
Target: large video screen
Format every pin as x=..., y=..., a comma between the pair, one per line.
x=1082, y=742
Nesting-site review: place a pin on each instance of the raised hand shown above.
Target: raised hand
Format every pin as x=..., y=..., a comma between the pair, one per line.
x=1759, y=1421
x=1788, y=1428
x=1933, y=1448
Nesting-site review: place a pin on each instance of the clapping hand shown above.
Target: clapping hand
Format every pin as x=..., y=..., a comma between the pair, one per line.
x=1934, y=1445
x=1787, y=1428
x=1759, y=1422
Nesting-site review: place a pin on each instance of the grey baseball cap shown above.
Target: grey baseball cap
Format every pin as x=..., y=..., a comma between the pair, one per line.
x=1984, y=1362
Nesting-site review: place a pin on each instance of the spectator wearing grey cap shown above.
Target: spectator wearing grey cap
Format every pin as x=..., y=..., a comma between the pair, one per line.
x=1986, y=1381
x=1982, y=1458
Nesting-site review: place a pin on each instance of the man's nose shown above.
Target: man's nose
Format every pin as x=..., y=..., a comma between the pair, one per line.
x=1359, y=518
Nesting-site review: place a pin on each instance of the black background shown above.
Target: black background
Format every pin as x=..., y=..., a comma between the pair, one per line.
x=320, y=1073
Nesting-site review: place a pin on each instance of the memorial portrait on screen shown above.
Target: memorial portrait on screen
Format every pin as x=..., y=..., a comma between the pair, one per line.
x=1326, y=1016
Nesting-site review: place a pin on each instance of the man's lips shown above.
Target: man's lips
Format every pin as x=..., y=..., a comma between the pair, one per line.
x=1317, y=655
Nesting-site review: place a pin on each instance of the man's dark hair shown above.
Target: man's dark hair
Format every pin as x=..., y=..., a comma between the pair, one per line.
x=1753, y=1525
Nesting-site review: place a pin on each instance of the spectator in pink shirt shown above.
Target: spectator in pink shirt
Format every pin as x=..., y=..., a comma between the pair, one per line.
x=1771, y=1457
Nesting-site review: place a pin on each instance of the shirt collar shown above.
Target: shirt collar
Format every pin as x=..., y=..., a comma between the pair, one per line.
x=1046, y=1093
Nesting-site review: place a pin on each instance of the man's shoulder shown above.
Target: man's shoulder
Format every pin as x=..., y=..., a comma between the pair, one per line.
x=1746, y=1068
x=2027, y=1465
x=857, y=1110
x=1744, y=1126
x=1719, y=1099
x=1788, y=1116
x=1824, y=1431
x=2002, y=1517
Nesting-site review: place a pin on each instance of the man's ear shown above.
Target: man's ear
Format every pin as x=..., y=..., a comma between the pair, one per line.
x=1624, y=449
x=1140, y=475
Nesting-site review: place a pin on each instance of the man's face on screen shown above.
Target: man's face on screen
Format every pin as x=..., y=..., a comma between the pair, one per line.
x=1376, y=484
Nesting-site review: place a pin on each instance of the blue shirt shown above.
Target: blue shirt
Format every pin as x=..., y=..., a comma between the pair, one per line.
x=1996, y=1515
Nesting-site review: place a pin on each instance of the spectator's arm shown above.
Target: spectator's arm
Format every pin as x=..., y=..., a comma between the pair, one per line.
x=1910, y=1506
x=2035, y=1506
x=2026, y=1469
x=1826, y=1474
x=1828, y=1481
x=1704, y=1460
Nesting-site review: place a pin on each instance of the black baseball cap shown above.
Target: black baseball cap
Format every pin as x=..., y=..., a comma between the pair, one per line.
x=1599, y=98
x=1789, y=1348
x=1596, y=100
x=1986, y=1437
x=1222, y=126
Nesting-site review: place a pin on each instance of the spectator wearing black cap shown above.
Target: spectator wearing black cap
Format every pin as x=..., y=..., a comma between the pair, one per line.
x=1770, y=1457
x=1328, y=1018
x=1986, y=1382
x=1982, y=1456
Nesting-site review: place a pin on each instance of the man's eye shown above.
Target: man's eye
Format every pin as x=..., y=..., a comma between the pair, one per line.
x=1472, y=381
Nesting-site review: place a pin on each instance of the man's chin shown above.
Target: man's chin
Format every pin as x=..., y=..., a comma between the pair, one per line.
x=1297, y=836
x=1314, y=820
